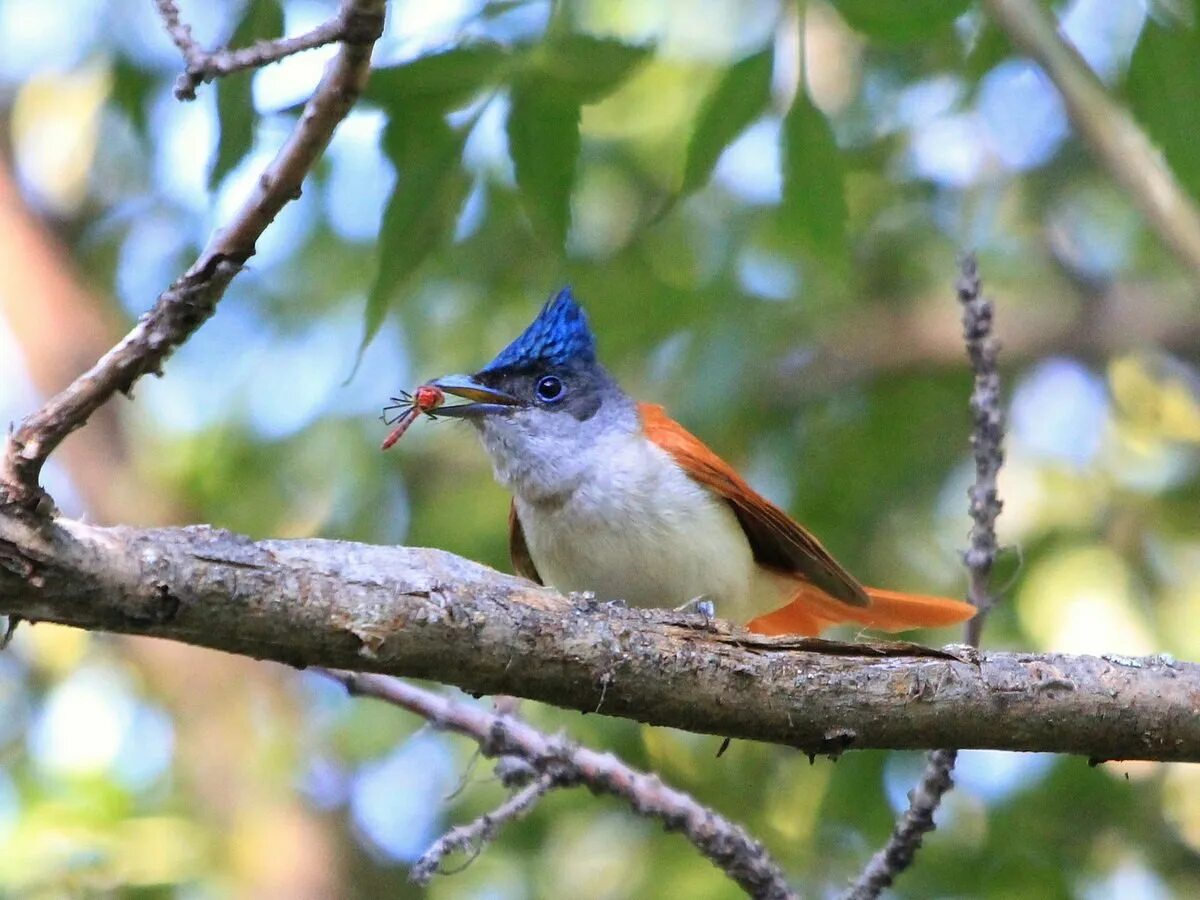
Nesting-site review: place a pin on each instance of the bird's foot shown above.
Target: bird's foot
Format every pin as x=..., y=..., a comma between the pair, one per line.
x=701, y=605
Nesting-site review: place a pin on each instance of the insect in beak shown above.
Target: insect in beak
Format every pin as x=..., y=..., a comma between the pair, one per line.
x=424, y=399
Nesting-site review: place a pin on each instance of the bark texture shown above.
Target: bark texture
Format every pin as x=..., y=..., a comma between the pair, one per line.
x=430, y=614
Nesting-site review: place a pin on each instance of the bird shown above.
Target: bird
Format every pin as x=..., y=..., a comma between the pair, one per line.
x=613, y=497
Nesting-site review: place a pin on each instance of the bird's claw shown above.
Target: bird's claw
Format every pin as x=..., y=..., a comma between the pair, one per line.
x=701, y=605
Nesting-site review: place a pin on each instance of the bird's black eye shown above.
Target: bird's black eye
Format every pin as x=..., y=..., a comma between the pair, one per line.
x=550, y=388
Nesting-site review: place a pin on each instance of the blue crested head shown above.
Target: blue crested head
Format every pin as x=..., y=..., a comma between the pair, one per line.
x=559, y=336
x=541, y=383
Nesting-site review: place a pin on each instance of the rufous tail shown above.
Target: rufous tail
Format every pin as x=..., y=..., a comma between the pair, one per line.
x=811, y=610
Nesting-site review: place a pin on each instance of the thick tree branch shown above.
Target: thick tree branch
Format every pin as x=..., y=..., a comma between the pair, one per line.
x=188, y=303
x=1115, y=138
x=429, y=614
x=558, y=762
x=876, y=340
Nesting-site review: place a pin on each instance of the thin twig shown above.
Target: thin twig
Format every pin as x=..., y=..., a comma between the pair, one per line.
x=203, y=66
x=987, y=442
x=473, y=837
x=1108, y=128
x=180, y=32
x=987, y=439
x=898, y=853
x=725, y=844
x=528, y=786
x=188, y=303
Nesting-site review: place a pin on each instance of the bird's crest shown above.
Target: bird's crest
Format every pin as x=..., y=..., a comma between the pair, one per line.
x=558, y=336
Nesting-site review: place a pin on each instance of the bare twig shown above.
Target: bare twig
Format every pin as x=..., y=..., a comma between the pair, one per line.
x=1115, y=138
x=528, y=786
x=187, y=303
x=474, y=837
x=725, y=844
x=987, y=442
x=898, y=853
x=181, y=33
x=203, y=66
x=987, y=439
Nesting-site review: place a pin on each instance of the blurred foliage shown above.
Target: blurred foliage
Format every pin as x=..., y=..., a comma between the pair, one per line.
x=763, y=225
x=262, y=20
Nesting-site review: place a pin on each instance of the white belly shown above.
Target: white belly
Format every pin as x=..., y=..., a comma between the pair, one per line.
x=645, y=533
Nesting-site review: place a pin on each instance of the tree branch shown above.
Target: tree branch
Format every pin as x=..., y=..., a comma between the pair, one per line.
x=429, y=614
x=987, y=446
x=188, y=303
x=555, y=760
x=917, y=821
x=203, y=66
x=987, y=443
x=1111, y=132
x=472, y=838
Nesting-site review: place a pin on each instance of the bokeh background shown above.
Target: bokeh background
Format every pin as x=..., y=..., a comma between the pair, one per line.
x=789, y=298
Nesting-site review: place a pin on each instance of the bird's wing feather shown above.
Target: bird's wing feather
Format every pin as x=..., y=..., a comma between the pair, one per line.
x=518, y=550
x=778, y=541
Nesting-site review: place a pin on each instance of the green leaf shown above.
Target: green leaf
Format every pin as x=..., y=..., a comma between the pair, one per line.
x=543, y=140
x=430, y=187
x=814, y=196
x=131, y=91
x=581, y=69
x=1164, y=91
x=235, y=104
x=739, y=98
x=990, y=48
x=900, y=20
x=498, y=8
x=446, y=79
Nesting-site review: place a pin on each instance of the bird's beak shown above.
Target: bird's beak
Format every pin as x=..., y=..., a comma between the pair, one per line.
x=485, y=399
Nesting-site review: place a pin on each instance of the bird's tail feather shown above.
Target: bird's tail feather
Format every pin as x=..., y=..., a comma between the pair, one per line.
x=811, y=610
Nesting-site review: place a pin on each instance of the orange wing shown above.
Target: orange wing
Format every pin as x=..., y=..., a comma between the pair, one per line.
x=778, y=541
x=518, y=550
x=826, y=594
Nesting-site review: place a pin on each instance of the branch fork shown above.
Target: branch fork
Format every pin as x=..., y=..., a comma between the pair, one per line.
x=349, y=26
x=558, y=763
x=188, y=303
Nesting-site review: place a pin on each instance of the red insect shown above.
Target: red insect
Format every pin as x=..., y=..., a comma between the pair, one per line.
x=424, y=399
